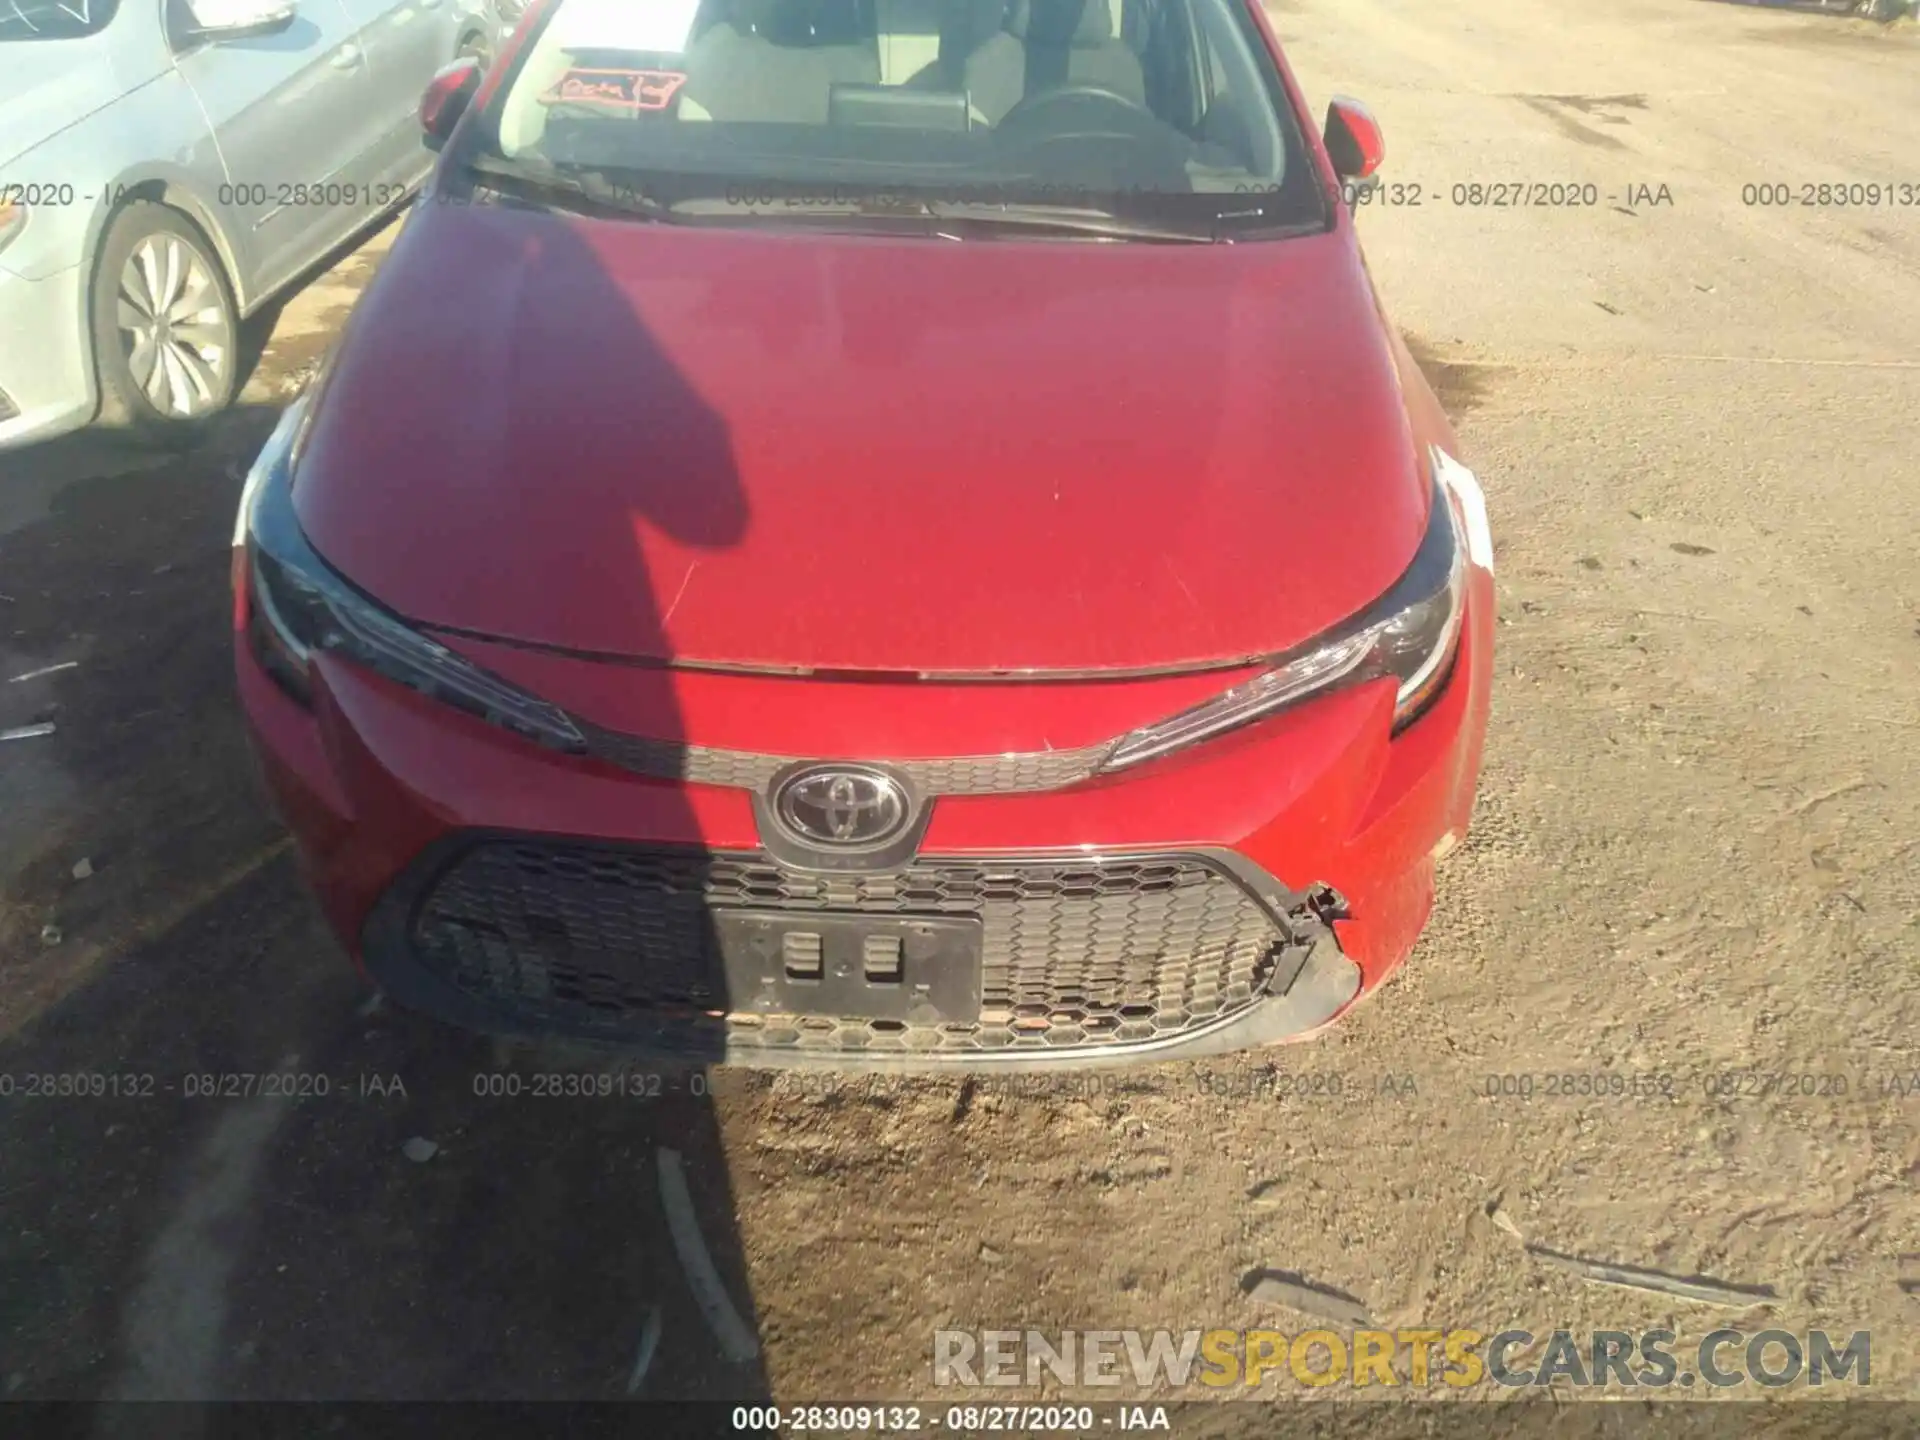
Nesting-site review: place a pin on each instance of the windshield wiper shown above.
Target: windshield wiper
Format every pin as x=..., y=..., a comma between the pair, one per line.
x=948, y=217
x=594, y=188
x=607, y=190
x=1073, y=219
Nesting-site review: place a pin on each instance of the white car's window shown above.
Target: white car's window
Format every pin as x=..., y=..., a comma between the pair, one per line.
x=54, y=19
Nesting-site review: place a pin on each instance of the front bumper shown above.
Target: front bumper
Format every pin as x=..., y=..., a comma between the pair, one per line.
x=45, y=362
x=1328, y=827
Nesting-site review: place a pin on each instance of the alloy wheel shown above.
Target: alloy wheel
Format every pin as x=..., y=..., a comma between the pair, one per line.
x=176, y=336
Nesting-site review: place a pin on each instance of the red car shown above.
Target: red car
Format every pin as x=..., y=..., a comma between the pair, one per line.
x=879, y=533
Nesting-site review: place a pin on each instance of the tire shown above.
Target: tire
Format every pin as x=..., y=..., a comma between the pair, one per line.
x=158, y=380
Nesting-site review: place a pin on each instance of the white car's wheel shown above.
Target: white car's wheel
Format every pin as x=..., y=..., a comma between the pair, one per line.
x=165, y=333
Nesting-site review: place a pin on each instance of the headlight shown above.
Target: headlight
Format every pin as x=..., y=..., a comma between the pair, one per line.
x=294, y=607
x=1411, y=634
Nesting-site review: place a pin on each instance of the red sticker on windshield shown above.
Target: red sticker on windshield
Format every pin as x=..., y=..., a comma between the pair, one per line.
x=628, y=90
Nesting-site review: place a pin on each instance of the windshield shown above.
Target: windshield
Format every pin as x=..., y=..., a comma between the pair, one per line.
x=1162, y=110
x=54, y=19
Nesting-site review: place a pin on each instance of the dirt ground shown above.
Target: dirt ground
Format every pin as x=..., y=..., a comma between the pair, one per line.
x=1696, y=858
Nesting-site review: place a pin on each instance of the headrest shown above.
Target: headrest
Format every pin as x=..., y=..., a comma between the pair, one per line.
x=964, y=24
x=977, y=19
x=1078, y=23
x=806, y=22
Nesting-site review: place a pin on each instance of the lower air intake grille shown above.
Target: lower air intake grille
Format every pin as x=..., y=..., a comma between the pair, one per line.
x=622, y=941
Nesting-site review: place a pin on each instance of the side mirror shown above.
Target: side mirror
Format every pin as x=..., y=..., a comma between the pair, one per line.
x=239, y=19
x=1353, y=140
x=446, y=99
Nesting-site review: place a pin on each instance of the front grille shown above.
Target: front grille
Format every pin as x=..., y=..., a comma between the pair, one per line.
x=620, y=941
x=750, y=770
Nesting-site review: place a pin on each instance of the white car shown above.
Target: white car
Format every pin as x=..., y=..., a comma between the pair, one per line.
x=168, y=166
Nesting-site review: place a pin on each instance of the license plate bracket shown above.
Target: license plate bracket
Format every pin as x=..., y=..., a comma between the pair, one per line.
x=923, y=969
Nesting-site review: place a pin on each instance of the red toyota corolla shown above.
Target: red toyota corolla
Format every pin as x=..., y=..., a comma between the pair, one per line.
x=889, y=533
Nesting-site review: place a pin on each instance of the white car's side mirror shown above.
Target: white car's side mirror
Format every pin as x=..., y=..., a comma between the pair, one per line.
x=239, y=19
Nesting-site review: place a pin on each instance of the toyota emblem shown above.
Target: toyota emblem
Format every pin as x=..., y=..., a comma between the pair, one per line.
x=843, y=805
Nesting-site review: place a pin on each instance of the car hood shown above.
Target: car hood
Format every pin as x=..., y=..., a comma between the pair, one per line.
x=804, y=450
x=46, y=86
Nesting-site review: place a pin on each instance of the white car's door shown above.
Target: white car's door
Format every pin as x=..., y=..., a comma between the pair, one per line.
x=291, y=113
x=405, y=42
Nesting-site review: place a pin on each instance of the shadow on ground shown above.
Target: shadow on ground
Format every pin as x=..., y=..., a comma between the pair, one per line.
x=229, y=1173
x=1460, y=387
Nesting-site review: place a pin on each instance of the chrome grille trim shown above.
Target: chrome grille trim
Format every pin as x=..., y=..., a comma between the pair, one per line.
x=1010, y=774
